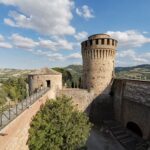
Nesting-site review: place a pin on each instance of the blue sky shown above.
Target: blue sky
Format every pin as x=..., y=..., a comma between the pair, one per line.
x=35, y=33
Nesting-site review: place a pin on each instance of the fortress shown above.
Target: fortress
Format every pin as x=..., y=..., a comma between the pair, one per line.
x=103, y=97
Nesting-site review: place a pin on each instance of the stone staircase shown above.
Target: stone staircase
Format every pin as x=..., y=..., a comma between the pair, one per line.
x=129, y=140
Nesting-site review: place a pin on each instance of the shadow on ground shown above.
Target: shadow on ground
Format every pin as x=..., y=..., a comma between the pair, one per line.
x=99, y=140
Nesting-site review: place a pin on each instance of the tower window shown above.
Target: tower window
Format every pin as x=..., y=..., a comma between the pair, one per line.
x=96, y=41
x=48, y=83
x=90, y=42
x=102, y=42
x=108, y=41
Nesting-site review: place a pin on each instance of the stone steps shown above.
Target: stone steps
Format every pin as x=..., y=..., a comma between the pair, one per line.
x=126, y=138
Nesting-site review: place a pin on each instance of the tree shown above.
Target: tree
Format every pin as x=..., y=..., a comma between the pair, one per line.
x=58, y=126
x=15, y=88
x=2, y=97
x=66, y=75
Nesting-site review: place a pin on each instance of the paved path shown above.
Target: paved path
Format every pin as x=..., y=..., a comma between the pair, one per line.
x=101, y=141
x=10, y=114
x=15, y=134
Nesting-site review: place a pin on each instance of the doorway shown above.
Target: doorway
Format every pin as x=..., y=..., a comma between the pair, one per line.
x=48, y=83
x=134, y=128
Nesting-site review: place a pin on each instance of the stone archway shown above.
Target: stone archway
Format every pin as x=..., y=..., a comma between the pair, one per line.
x=134, y=128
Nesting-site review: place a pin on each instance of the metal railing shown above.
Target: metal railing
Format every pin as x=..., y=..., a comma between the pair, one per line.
x=10, y=112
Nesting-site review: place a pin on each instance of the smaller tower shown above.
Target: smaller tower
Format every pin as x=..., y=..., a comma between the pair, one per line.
x=44, y=78
x=98, y=53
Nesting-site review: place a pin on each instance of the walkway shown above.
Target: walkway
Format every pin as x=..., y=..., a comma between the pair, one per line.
x=14, y=136
x=102, y=141
x=9, y=114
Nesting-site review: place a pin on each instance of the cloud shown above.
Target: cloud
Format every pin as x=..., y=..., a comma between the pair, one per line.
x=46, y=17
x=52, y=56
x=4, y=44
x=130, y=58
x=10, y=22
x=81, y=36
x=48, y=44
x=85, y=12
x=74, y=56
x=57, y=44
x=1, y=38
x=129, y=38
x=23, y=42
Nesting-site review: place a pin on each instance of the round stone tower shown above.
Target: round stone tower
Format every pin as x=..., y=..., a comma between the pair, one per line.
x=98, y=54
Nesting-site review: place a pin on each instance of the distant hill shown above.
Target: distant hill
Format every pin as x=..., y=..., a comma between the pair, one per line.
x=141, y=67
x=75, y=70
x=135, y=72
x=141, y=72
x=8, y=73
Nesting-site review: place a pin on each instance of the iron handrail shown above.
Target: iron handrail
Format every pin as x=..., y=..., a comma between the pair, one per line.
x=10, y=112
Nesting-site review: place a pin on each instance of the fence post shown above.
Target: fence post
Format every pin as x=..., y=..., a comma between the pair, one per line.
x=26, y=102
x=1, y=115
x=9, y=111
x=22, y=104
x=16, y=109
x=30, y=100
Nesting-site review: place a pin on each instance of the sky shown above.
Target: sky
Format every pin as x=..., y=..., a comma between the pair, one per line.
x=48, y=33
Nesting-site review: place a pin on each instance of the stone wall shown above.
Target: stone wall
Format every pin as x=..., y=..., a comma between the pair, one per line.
x=132, y=103
x=81, y=98
x=15, y=135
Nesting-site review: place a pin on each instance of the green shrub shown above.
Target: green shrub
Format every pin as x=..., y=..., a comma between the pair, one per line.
x=58, y=126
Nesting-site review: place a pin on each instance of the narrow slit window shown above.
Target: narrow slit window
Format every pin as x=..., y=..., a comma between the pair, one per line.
x=108, y=41
x=90, y=42
x=96, y=41
x=102, y=42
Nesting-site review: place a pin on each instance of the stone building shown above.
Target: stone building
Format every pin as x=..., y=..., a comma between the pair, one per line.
x=44, y=78
x=98, y=53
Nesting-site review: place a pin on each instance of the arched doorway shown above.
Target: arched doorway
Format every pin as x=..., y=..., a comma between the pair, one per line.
x=135, y=128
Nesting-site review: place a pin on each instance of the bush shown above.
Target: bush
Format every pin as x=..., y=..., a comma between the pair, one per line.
x=58, y=126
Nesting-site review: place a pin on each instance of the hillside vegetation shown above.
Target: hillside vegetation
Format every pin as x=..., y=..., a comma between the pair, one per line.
x=13, y=81
x=140, y=72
